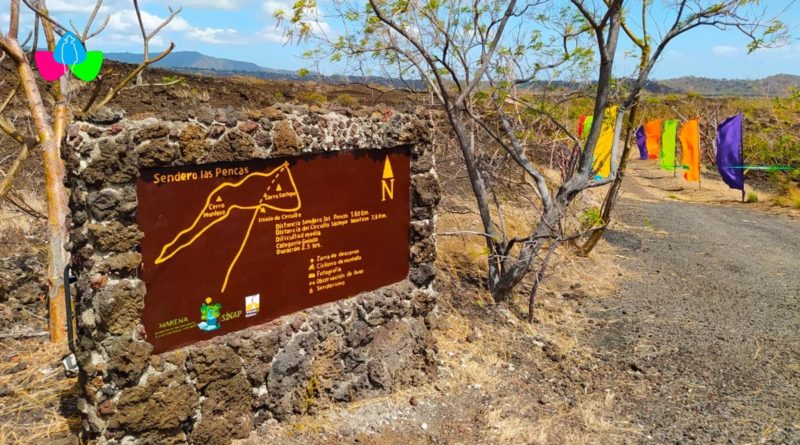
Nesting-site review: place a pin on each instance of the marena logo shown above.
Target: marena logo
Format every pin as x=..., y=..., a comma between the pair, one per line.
x=209, y=316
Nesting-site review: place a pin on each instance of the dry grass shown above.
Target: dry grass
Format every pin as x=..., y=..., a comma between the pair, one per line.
x=558, y=324
x=41, y=404
x=790, y=199
x=492, y=365
x=17, y=228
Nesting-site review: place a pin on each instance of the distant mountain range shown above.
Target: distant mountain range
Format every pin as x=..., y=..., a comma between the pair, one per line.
x=195, y=62
x=776, y=85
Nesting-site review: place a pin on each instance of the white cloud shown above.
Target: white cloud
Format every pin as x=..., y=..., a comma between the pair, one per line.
x=210, y=4
x=272, y=35
x=125, y=20
x=216, y=36
x=313, y=16
x=85, y=6
x=125, y=27
x=724, y=50
x=270, y=6
x=157, y=43
x=786, y=52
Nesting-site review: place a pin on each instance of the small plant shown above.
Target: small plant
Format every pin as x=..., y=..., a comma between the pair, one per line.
x=313, y=98
x=309, y=400
x=590, y=218
x=172, y=80
x=752, y=197
x=787, y=201
x=646, y=222
x=346, y=100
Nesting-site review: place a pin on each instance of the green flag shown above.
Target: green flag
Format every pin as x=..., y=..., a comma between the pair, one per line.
x=668, y=144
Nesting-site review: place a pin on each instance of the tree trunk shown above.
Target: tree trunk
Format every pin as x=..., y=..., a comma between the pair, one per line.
x=57, y=211
x=480, y=192
x=56, y=194
x=511, y=276
x=613, y=192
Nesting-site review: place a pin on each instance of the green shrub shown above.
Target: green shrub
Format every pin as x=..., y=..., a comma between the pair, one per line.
x=312, y=98
x=346, y=100
x=752, y=197
x=591, y=217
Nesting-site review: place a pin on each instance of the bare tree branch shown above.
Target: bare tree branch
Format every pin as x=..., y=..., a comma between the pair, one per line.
x=133, y=75
x=42, y=12
x=8, y=179
x=13, y=21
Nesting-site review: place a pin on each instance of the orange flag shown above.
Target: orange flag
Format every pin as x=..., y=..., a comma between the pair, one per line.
x=690, y=149
x=653, y=131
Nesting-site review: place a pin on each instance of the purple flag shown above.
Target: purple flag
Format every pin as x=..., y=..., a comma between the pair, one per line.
x=729, y=152
x=641, y=141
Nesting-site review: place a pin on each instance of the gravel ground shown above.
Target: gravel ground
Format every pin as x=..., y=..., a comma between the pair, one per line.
x=702, y=345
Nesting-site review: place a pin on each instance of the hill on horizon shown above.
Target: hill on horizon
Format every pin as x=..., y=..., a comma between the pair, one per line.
x=775, y=85
x=196, y=62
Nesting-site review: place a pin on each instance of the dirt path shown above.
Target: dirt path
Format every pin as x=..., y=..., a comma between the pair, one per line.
x=708, y=329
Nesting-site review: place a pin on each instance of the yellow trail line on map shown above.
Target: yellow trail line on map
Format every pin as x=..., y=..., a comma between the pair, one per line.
x=162, y=258
x=241, y=248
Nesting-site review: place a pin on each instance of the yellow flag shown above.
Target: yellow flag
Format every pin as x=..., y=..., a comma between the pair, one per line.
x=602, y=151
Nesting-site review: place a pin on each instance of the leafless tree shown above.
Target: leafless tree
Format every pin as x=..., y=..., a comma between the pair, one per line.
x=49, y=128
x=498, y=67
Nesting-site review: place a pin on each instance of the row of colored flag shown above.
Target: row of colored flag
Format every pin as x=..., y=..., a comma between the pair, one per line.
x=657, y=139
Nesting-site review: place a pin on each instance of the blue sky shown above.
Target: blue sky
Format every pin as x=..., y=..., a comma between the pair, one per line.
x=245, y=30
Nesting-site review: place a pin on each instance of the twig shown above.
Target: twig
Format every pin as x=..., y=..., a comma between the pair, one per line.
x=134, y=74
x=464, y=232
x=97, y=86
x=162, y=84
x=19, y=335
x=85, y=36
x=43, y=14
x=147, y=61
x=538, y=278
x=19, y=202
x=8, y=179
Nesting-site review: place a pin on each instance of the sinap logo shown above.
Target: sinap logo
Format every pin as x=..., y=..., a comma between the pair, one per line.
x=69, y=53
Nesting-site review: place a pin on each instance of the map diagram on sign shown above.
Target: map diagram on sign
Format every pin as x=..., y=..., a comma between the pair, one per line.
x=257, y=193
x=246, y=242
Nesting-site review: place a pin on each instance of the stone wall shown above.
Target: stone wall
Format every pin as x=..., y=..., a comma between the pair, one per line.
x=214, y=391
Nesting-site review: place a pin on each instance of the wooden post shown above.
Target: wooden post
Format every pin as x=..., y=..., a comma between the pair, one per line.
x=699, y=157
x=675, y=155
x=741, y=154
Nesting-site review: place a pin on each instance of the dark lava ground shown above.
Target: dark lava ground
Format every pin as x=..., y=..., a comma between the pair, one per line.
x=709, y=332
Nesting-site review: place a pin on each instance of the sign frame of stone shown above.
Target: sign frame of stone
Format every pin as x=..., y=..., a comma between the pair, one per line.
x=218, y=390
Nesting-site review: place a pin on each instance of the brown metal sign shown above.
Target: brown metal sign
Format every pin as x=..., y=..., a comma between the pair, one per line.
x=227, y=246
